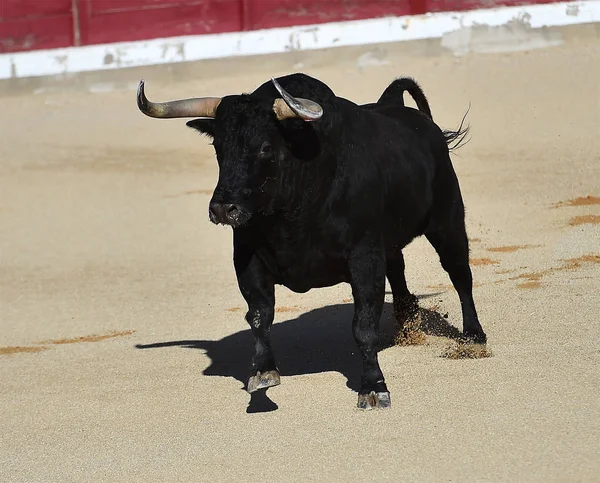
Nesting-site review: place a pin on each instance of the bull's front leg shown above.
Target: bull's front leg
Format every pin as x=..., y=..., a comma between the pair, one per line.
x=258, y=289
x=367, y=278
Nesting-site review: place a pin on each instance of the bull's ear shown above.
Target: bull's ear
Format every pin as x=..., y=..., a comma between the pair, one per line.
x=205, y=126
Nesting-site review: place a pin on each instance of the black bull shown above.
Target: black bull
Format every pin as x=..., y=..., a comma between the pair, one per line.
x=321, y=191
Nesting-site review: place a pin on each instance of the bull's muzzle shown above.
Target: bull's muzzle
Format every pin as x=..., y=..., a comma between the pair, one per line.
x=227, y=214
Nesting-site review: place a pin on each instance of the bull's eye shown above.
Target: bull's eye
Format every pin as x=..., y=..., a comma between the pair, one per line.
x=266, y=150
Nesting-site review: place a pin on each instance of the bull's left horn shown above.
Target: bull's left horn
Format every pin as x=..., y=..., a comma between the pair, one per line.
x=196, y=107
x=290, y=107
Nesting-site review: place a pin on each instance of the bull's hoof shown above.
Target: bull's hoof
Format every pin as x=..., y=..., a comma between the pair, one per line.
x=406, y=308
x=379, y=400
x=478, y=337
x=263, y=380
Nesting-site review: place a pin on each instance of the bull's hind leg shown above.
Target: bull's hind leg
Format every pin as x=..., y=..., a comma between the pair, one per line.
x=367, y=278
x=405, y=304
x=452, y=245
x=258, y=290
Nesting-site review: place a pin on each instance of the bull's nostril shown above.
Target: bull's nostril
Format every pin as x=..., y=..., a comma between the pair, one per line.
x=232, y=209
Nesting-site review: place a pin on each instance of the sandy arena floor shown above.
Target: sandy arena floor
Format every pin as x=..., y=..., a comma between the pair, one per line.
x=105, y=245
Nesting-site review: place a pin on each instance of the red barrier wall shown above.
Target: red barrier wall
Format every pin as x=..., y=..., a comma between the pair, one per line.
x=46, y=24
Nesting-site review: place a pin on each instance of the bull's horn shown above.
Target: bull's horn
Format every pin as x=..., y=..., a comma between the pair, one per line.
x=198, y=107
x=290, y=107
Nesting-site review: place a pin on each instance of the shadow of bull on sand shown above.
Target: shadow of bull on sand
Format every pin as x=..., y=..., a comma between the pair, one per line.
x=317, y=341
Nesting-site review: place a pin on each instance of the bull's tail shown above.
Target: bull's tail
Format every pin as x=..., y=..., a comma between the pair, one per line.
x=456, y=139
x=394, y=94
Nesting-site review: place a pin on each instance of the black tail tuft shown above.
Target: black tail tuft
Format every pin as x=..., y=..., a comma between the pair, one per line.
x=394, y=94
x=457, y=139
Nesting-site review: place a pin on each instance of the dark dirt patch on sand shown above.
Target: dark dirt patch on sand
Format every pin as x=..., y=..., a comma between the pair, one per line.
x=89, y=338
x=5, y=351
x=510, y=248
x=294, y=308
x=533, y=279
x=580, y=201
x=483, y=261
x=585, y=220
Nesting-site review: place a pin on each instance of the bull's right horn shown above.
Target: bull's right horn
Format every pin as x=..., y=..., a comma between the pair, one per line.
x=197, y=107
x=290, y=107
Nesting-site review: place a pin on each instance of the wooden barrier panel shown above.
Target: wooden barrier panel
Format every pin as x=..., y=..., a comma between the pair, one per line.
x=284, y=13
x=31, y=24
x=104, y=21
x=43, y=24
